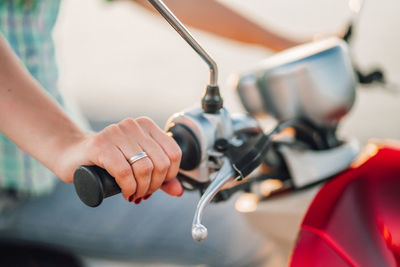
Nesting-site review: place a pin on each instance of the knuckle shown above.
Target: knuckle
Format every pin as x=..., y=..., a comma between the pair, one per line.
x=162, y=166
x=146, y=121
x=113, y=130
x=176, y=155
x=142, y=186
x=130, y=125
x=128, y=190
x=124, y=172
x=145, y=169
x=129, y=122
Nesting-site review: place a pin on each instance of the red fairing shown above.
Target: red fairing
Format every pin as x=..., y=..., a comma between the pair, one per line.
x=354, y=220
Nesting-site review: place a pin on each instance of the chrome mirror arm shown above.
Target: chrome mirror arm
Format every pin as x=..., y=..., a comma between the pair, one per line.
x=187, y=36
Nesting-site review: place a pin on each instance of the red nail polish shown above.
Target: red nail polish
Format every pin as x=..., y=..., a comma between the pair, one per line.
x=147, y=196
x=137, y=201
x=131, y=198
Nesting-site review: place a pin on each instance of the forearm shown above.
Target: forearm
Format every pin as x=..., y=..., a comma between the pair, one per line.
x=216, y=18
x=31, y=119
x=28, y=116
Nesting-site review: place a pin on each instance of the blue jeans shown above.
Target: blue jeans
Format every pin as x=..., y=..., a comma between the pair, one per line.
x=156, y=231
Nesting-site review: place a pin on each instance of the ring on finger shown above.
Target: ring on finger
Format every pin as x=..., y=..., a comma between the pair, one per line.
x=137, y=157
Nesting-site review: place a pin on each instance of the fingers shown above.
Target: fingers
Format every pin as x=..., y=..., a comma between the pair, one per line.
x=162, y=162
x=116, y=144
x=106, y=155
x=142, y=169
x=167, y=144
x=173, y=188
x=123, y=176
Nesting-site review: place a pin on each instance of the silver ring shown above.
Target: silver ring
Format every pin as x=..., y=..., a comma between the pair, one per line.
x=137, y=157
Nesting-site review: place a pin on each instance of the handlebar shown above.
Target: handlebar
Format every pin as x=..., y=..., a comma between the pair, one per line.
x=93, y=184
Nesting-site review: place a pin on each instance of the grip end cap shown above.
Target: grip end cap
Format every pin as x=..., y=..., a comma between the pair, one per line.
x=88, y=186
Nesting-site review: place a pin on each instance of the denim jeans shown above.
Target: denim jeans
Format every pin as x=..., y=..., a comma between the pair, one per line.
x=156, y=231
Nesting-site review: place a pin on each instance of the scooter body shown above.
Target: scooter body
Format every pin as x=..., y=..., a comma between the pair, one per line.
x=354, y=218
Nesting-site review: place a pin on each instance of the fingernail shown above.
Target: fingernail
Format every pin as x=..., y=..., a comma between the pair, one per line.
x=131, y=198
x=137, y=201
x=147, y=196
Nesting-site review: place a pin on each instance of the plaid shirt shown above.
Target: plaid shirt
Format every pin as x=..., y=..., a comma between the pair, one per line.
x=27, y=25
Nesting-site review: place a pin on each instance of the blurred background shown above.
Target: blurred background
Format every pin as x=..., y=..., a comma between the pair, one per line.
x=118, y=60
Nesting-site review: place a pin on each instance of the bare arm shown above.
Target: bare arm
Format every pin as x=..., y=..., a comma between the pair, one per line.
x=31, y=119
x=216, y=18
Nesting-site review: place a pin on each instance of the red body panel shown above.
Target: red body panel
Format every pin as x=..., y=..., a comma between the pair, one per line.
x=354, y=219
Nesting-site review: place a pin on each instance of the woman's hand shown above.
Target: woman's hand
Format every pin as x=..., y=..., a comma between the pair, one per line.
x=115, y=145
x=37, y=124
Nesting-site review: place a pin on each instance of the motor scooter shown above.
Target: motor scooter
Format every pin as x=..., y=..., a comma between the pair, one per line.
x=308, y=90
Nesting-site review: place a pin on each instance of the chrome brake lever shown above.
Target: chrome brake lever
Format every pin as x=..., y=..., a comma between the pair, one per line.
x=225, y=175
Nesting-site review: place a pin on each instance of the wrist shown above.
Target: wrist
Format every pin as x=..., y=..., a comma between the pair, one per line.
x=68, y=155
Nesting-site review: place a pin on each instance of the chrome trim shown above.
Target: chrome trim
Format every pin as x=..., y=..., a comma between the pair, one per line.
x=223, y=176
x=186, y=35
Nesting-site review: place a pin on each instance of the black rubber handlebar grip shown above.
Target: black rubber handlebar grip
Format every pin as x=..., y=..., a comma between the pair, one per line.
x=93, y=184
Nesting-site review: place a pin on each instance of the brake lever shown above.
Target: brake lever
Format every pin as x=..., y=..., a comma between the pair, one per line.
x=225, y=175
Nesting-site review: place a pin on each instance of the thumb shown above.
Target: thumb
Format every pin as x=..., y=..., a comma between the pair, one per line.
x=173, y=188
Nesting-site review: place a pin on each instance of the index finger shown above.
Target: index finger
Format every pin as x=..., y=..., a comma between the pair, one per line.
x=168, y=145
